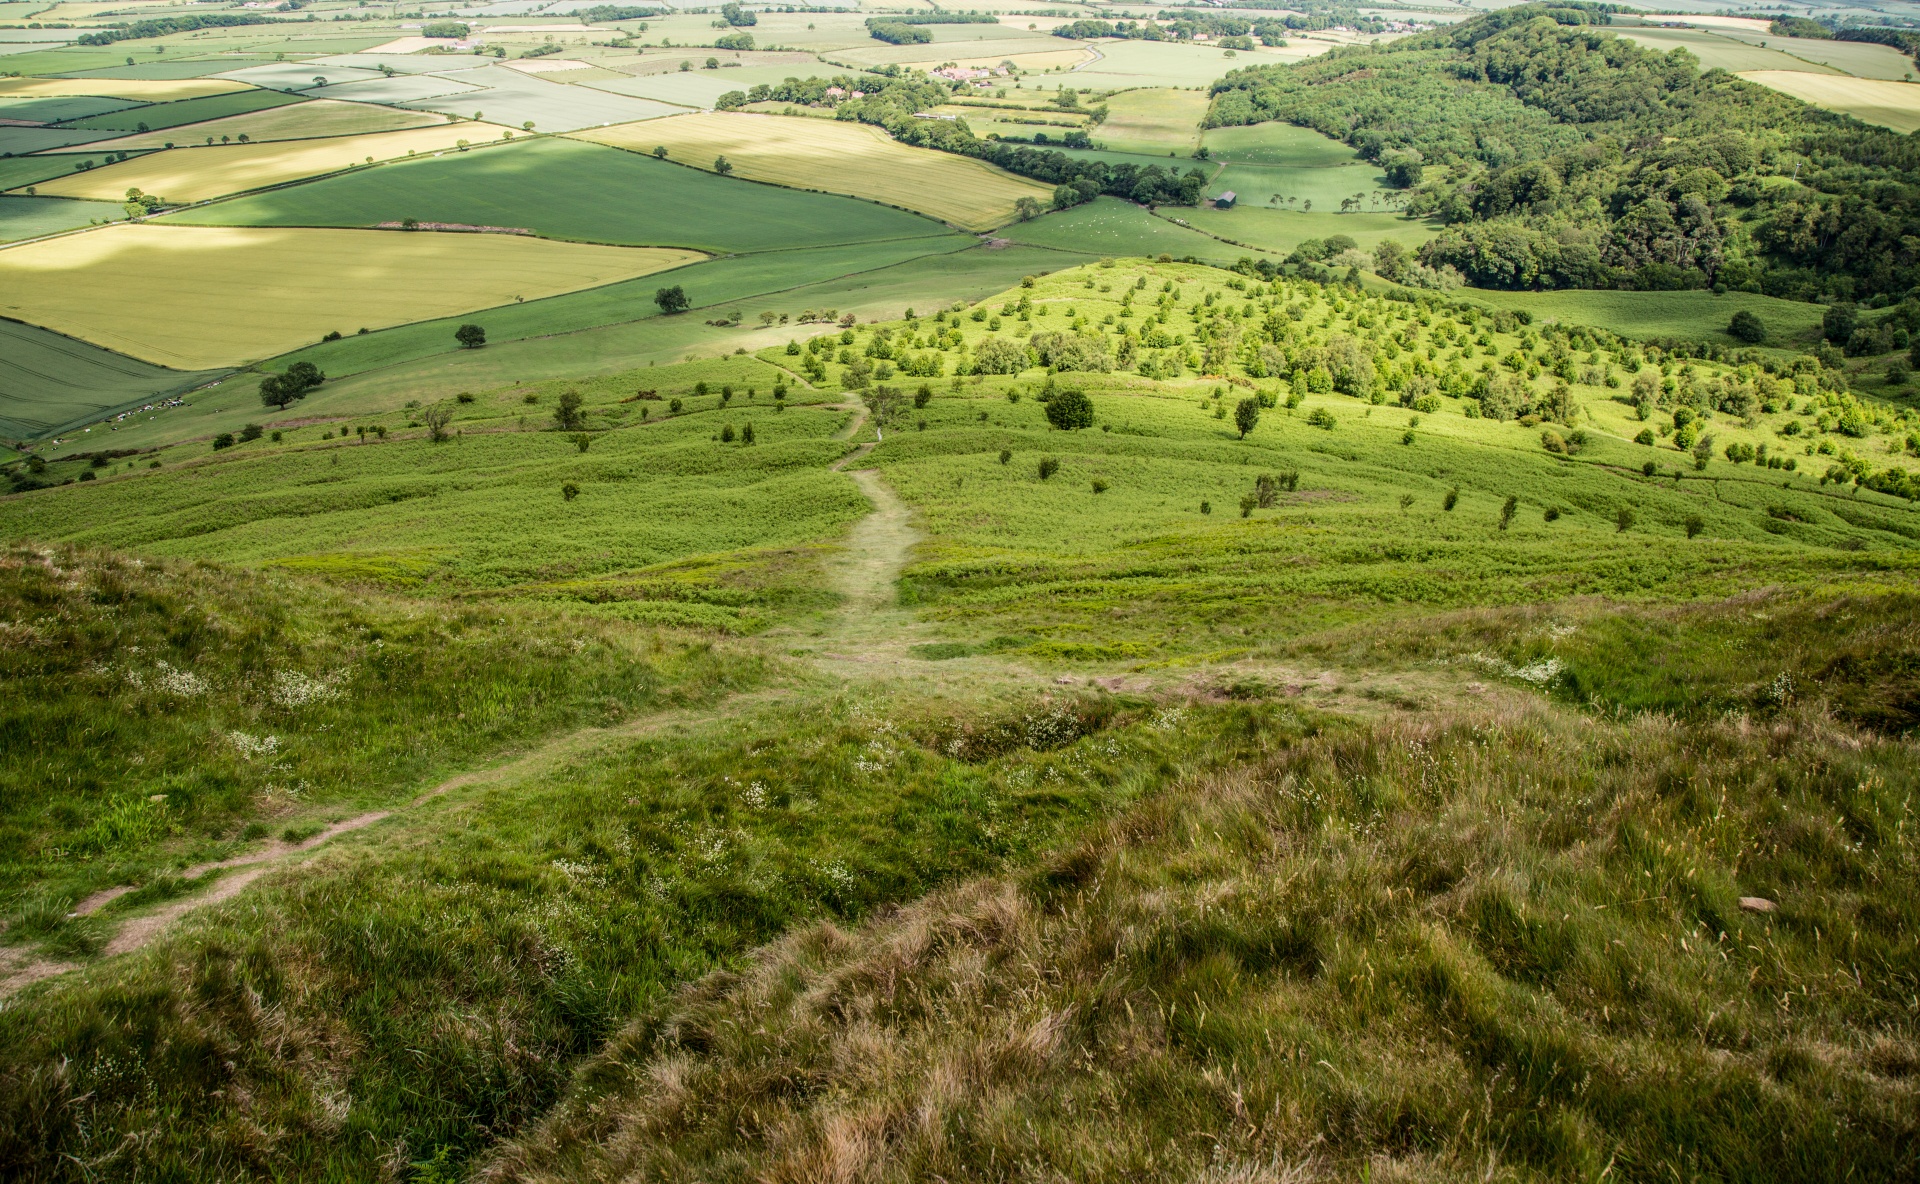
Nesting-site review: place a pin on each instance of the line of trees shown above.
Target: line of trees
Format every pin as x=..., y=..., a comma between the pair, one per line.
x=167, y=25
x=1563, y=156
x=892, y=105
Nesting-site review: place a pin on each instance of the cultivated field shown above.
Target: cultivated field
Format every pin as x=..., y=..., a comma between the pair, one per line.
x=139, y=90
x=316, y=119
x=838, y=157
x=200, y=297
x=1871, y=100
x=198, y=173
x=560, y=188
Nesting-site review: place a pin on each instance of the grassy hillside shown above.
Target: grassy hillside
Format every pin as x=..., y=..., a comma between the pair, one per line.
x=1340, y=748
x=1466, y=945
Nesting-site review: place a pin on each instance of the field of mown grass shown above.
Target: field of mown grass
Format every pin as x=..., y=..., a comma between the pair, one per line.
x=559, y=188
x=1872, y=100
x=199, y=172
x=198, y=297
x=1153, y=122
x=836, y=157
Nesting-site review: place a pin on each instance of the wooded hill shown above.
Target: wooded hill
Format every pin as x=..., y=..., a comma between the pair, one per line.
x=1564, y=156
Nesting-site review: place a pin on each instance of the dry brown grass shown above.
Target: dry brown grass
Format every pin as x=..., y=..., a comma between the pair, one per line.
x=1495, y=947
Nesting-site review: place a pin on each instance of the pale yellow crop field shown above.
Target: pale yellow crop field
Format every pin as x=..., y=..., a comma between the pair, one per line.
x=311, y=120
x=200, y=173
x=834, y=157
x=142, y=90
x=197, y=297
x=1894, y=105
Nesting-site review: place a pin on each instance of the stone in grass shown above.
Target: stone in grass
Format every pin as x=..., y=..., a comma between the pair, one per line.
x=1757, y=904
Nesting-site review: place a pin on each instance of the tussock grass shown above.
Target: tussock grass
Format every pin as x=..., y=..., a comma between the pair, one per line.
x=1472, y=946
x=155, y=710
x=430, y=991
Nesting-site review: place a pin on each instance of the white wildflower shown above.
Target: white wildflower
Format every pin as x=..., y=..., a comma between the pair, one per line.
x=253, y=746
x=174, y=681
x=291, y=689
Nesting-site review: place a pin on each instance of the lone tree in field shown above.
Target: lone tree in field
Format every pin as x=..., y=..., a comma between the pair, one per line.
x=279, y=390
x=660, y=152
x=470, y=336
x=672, y=300
x=1246, y=413
x=1747, y=327
x=722, y=165
x=567, y=416
x=437, y=418
x=1070, y=411
x=885, y=404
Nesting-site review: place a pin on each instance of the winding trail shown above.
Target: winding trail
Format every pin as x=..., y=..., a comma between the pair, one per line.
x=866, y=629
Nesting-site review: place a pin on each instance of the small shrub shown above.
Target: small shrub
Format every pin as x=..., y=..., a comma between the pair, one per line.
x=1451, y=500
x=1048, y=467
x=1622, y=520
x=1321, y=418
x=569, y=491
x=1695, y=524
x=1099, y=486
x=1507, y=511
x=1006, y=454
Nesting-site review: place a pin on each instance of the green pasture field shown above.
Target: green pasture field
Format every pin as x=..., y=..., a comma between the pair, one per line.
x=49, y=382
x=559, y=188
x=1279, y=231
x=1110, y=226
x=1154, y=122
x=1701, y=316
x=185, y=111
x=29, y=217
x=1280, y=144
x=1326, y=188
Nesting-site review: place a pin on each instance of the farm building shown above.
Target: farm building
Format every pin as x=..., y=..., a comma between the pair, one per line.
x=1225, y=201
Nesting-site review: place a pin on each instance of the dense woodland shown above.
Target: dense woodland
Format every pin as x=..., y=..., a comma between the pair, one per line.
x=1563, y=156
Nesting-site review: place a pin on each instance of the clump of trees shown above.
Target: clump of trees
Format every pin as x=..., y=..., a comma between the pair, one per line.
x=281, y=390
